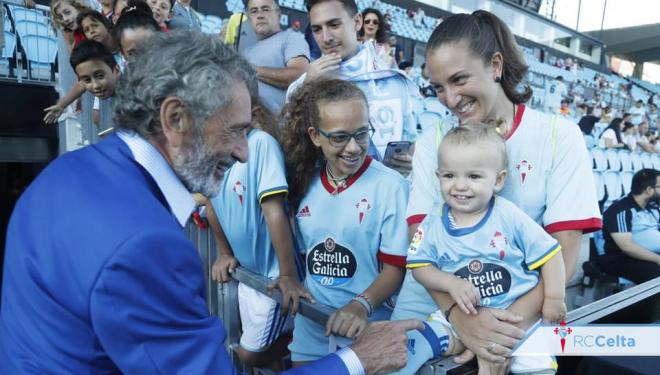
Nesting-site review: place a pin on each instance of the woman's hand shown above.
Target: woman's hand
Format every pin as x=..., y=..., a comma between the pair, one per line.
x=349, y=321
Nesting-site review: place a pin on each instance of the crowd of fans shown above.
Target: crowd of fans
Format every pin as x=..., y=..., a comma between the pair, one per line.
x=343, y=201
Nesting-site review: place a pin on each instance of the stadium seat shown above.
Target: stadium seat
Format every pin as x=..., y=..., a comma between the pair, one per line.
x=637, y=161
x=40, y=51
x=434, y=105
x=599, y=158
x=7, y=24
x=613, y=159
x=626, y=161
x=7, y=53
x=656, y=161
x=626, y=181
x=26, y=27
x=428, y=119
x=590, y=141
x=647, y=160
x=23, y=14
x=613, y=185
x=600, y=185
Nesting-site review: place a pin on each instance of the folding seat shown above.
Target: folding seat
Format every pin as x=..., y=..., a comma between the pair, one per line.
x=599, y=159
x=656, y=161
x=600, y=185
x=40, y=52
x=626, y=161
x=626, y=181
x=7, y=53
x=613, y=185
x=590, y=141
x=613, y=159
x=647, y=160
x=637, y=161
x=27, y=27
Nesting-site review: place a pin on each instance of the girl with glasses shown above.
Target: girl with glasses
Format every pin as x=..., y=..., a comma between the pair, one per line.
x=349, y=213
x=374, y=30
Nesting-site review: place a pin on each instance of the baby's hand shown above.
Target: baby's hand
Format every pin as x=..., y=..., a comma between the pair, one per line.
x=554, y=310
x=465, y=295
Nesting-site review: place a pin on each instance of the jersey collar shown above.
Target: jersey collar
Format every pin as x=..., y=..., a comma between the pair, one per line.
x=516, y=121
x=331, y=189
x=467, y=230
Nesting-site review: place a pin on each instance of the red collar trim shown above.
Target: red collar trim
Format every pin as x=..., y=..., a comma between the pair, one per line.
x=516, y=121
x=331, y=189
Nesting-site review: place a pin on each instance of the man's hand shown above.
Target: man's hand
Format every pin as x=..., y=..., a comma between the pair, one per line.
x=223, y=267
x=382, y=347
x=324, y=65
x=491, y=334
x=402, y=163
x=53, y=113
x=292, y=290
x=349, y=321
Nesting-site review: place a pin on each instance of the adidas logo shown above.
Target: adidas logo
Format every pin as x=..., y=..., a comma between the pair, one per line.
x=304, y=212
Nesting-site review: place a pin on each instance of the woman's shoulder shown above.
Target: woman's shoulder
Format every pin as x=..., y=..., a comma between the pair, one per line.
x=380, y=172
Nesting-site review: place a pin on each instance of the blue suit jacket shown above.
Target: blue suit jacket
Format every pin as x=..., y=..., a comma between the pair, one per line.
x=100, y=278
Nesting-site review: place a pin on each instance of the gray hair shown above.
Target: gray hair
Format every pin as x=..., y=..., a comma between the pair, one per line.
x=194, y=67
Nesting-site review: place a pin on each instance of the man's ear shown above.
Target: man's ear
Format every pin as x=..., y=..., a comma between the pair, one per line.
x=499, y=181
x=358, y=21
x=174, y=120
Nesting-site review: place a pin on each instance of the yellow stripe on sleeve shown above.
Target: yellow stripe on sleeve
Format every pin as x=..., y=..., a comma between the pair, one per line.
x=274, y=192
x=417, y=265
x=546, y=258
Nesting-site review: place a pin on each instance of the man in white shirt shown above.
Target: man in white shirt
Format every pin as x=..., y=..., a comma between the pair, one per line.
x=638, y=112
x=555, y=92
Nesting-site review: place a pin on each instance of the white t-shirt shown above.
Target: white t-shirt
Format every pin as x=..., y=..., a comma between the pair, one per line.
x=637, y=114
x=607, y=134
x=555, y=91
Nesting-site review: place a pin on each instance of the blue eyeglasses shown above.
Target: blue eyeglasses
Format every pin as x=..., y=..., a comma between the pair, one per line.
x=340, y=139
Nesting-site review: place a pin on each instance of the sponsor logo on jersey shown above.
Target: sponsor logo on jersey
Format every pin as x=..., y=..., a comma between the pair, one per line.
x=363, y=206
x=524, y=168
x=499, y=243
x=492, y=280
x=239, y=189
x=416, y=241
x=331, y=264
x=304, y=212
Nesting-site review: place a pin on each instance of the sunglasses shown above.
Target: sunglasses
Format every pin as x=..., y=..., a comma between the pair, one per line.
x=369, y=22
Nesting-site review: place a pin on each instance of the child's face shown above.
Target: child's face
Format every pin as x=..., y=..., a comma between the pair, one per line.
x=95, y=30
x=469, y=176
x=98, y=78
x=161, y=10
x=68, y=13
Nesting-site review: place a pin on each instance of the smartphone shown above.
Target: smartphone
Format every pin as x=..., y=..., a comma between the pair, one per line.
x=394, y=148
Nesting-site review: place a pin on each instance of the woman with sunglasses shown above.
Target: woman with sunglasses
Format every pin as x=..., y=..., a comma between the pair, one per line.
x=349, y=213
x=373, y=31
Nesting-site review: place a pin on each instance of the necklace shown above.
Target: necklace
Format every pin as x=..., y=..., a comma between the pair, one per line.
x=340, y=183
x=502, y=126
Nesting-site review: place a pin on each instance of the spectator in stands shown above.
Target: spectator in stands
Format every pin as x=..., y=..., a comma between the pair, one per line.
x=646, y=227
x=418, y=18
x=279, y=56
x=606, y=115
x=396, y=50
x=162, y=10
x=238, y=32
x=64, y=14
x=133, y=28
x=555, y=92
x=136, y=303
x=406, y=67
x=564, y=110
x=373, y=31
x=390, y=93
x=638, y=112
x=96, y=68
x=624, y=257
x=642, y=139
x=184, y=16
x=106, y=8
x=117, y=9
x=295, y=26
x=611, y=136
x=653, y=116
x=477, y=71
x=425, y=87
x=588, y=121
x=629, y=135
x=472, y=162
x=356, y=261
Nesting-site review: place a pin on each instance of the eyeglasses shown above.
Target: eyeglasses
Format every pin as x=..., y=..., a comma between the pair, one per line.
x=369, y=22
x=340, y=139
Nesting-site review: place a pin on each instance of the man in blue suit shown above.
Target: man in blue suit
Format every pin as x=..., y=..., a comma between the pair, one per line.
x=99, y=276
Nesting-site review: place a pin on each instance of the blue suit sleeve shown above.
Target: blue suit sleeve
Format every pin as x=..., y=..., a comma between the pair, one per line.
x=330, y=364
x=149, y=312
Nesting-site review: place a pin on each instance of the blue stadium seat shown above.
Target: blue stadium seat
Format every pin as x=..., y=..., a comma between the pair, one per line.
x=428, y=119
x=626, y=181
x=7, y=53
x=613, y=159
x=637, y=161
x=613, y=185
x=647, y=160
x=626, y=161
x=7, y=24
x=656, y=161
x=26, y=27
x=590, y=141
x=23, y=14
x=600, y=185
x=599, y=158
x=40, y=51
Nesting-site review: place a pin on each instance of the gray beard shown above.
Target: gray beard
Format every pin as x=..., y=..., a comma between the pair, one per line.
x=195, y=166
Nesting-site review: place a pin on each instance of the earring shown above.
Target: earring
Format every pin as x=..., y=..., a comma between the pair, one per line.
x=497, y=79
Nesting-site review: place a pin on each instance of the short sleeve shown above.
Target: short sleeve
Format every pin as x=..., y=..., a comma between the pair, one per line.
x=149, y=312
x=295, y=46
x=424, y=188
x=571, y=202
x=422, y=251
x=268, y=167
x=537, y=245
x=619, y=219
x=394, y=231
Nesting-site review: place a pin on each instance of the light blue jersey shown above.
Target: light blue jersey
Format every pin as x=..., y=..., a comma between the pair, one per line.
x=500, y=255
x=238, y=204
x=345, y=234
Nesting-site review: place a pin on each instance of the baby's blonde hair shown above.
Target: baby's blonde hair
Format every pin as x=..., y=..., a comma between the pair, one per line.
x=472, y=132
